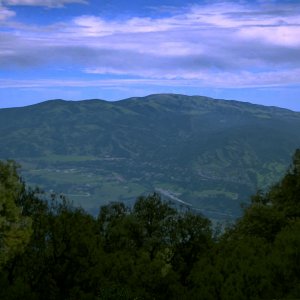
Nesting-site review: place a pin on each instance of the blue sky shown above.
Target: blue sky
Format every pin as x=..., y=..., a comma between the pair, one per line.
x=114, y=49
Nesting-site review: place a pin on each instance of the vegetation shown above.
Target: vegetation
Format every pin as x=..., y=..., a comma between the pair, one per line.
x=212, y=154
x=149, y=251
x=15, y=228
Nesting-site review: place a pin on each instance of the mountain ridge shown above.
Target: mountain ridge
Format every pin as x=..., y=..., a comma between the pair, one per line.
x=210, y=153
x=150, y=97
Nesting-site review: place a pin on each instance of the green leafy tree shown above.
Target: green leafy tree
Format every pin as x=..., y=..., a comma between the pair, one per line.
x=154, y=218
x=286, y=261
x=150, y=251
x=191, y=239
x=285, y=195
x=15, y=229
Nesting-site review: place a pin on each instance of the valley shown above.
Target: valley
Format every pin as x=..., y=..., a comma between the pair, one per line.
x=200, y=153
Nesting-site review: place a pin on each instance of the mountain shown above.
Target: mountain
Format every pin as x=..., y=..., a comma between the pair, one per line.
x=201, y=152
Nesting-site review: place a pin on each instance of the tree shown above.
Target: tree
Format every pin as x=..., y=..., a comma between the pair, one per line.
x=15, y=229
x=191, y=239
x=284, y=196
x=153, y=216
x=286, y=261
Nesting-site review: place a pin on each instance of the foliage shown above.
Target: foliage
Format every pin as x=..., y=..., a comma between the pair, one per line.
x=151, y=250
x=15, y=229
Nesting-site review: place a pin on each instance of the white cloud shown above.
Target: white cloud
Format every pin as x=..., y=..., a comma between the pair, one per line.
x=221, y=80
x=5, y=13
x=280, y=35
x=96, y=26
x=46, y=3
x=221, y=45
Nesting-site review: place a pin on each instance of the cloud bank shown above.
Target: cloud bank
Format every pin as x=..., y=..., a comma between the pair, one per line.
x=5, y=13
x=215, y=45
x=46, y=3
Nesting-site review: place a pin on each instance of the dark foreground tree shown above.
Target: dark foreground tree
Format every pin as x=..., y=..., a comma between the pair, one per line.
x=51, y=250
x=15, y=229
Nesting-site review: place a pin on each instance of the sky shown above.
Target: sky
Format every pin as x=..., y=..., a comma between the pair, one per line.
x=115, y=49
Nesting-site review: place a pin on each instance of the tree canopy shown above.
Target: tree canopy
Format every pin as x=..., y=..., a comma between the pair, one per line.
x=15, y=229
x=52, y=250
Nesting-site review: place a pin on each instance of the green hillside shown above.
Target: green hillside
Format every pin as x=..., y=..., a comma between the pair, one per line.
x=210, y=154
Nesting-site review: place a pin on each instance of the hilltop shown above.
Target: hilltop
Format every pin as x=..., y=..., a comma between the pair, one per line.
x=206, y=153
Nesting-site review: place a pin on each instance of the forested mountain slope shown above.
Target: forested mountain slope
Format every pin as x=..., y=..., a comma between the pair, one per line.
x=211, y=154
